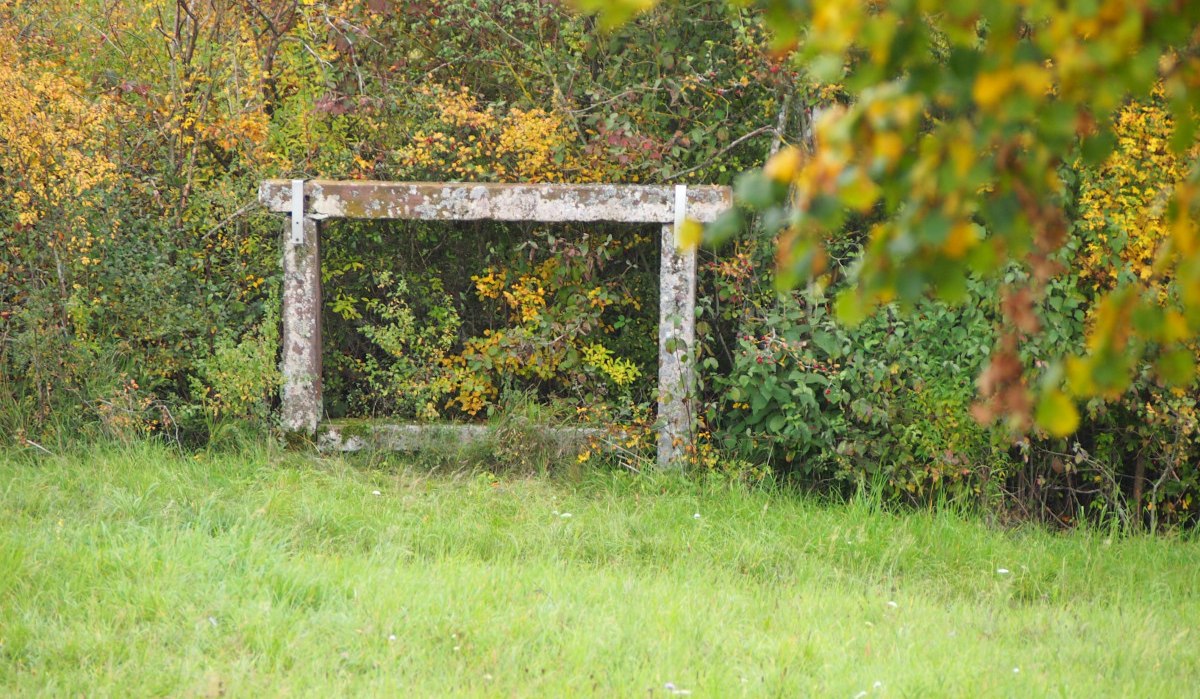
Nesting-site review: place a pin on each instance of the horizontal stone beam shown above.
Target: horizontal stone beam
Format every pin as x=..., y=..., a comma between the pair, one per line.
x=550, y=203
x=354, y=436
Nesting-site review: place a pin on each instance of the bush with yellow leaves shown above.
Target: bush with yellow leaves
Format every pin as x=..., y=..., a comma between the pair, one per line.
x=1123, y=201
x=472, y=142
x=557, y=313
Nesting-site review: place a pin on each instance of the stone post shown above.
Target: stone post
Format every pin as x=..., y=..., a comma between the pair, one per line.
x=310, y=202
x=301, y=401
x=676, y=337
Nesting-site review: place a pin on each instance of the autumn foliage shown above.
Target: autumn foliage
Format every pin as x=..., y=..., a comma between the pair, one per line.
x=1031, y=162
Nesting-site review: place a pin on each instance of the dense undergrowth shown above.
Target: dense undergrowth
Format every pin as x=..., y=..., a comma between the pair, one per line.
x=137, y=276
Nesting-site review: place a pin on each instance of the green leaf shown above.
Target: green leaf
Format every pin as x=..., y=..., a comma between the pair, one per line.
x=952, y=288
x=1098, y=147
x=826, y=68
x=1148, y=320
x=860, y=193
x=1177, y=367
x=910, y=284
x=850, y=308
x=964, y=63
x=828, y=344
x=1056, y=413
x=756, y=190
x=727, y=225
x=1184, y=136
x=1056, y=123
x=935, y=228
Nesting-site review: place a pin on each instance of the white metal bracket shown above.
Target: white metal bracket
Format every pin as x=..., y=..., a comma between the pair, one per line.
x=680, y=209
x=297, y=212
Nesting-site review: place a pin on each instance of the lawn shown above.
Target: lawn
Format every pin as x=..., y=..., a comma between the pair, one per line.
x=135, y=571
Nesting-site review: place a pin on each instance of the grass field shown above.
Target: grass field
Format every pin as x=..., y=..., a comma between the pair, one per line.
x=138, y=572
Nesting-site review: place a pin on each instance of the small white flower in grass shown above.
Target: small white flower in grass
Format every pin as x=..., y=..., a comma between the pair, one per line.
x=670, y=687
x=878, y=685
x=212, y=620
x=892, y=604
x=565, y=515
x=1002, y=571
x=696, y=516
x=1016, y=670
x=391, y=637
x=376, y=493
x=861, y=694
x=456, y=648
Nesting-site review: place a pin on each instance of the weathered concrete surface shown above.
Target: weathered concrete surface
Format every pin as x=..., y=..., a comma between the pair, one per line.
x=549, y=203
x=354, y=436
x=676, y=337
x=301, y=401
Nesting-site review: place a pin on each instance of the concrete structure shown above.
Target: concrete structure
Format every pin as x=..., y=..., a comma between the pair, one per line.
x=354, y=435
x=310, y=202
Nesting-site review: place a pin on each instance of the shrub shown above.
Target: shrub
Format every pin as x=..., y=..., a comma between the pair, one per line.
x=887, y=402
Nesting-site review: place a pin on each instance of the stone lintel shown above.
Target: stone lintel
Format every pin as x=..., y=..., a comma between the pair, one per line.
x=549, y=203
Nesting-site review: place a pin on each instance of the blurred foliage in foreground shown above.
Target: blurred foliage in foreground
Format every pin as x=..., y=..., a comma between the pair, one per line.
x=1039, y=144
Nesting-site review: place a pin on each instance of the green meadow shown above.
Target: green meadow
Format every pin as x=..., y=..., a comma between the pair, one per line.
x=139, y=571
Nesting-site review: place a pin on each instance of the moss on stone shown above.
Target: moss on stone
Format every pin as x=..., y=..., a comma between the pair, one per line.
x=349, y=428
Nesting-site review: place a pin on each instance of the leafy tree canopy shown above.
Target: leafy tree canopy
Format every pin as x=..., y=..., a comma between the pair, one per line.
x=955, y=149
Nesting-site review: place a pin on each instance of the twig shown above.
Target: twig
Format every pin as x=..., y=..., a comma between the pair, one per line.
x=229, y=219
x=32, y=443
x=757, y=132
x=780, y=125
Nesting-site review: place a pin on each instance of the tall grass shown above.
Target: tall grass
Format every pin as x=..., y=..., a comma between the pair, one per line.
x=132, y=571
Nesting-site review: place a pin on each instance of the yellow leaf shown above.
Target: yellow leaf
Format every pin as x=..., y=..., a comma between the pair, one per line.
x=861, y=193
x=1175, y=326
x=991, y=87
x=1034, y=79
x=783, y=166
x=962, y=154
x=689, y=235
x=961, y=238
x=888, y=146
x=1183, y=233
x=1056, y=413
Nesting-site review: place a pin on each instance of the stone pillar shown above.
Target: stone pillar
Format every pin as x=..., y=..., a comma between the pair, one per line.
x=301, y=402
x=676, y=339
